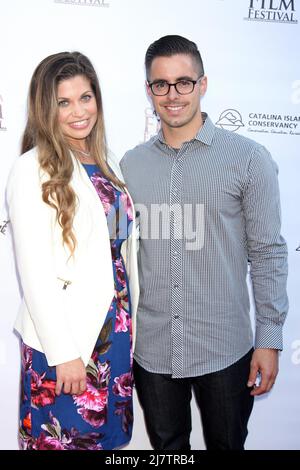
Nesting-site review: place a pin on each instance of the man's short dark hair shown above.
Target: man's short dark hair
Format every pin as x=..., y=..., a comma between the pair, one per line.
x=171, y=45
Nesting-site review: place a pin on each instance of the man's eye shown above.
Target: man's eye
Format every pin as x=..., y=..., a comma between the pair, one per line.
x=184, y=83
x=160, y=85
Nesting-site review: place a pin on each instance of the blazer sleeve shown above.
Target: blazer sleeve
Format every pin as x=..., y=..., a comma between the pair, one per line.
x=114, y=165
x=32, y=223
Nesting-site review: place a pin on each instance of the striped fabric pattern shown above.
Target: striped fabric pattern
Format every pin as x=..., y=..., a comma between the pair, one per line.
x=206, y=211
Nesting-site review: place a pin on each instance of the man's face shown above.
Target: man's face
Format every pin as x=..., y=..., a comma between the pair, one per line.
x=176, y=110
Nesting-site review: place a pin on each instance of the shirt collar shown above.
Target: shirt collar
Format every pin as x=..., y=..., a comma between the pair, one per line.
x=204, y=135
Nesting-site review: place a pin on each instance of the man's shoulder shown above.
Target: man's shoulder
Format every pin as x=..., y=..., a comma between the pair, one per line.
x=236, y=146
x=231, y=138
x=142, y=147
x=135, y=153
x=246, y=151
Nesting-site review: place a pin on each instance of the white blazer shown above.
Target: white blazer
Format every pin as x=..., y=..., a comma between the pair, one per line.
x=63, y=323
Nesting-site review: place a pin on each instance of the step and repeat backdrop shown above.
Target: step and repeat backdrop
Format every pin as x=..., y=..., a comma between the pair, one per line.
x=250, y=50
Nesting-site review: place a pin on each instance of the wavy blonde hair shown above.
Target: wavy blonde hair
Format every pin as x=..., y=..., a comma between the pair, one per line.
x=43, y=131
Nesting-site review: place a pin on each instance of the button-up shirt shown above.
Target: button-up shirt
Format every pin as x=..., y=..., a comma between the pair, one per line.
x=207, y=211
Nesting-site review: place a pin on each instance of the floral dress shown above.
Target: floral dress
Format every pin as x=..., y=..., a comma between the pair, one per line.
x=101, y=417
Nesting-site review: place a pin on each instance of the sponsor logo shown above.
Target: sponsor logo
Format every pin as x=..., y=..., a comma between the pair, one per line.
x=85, y=3
x=3, y=226
x=284, y=124
x=295, y=98
x=278, y=11
x=274, y=123
x=230, y=119
x=2, y=126
x=152, y=125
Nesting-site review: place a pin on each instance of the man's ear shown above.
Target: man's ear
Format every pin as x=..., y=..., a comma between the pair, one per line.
x=148, y=89
x=203, y=85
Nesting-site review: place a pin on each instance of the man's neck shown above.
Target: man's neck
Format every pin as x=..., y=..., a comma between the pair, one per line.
x=176, y=136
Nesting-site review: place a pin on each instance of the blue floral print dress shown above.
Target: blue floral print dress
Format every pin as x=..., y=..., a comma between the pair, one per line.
x=101, y=417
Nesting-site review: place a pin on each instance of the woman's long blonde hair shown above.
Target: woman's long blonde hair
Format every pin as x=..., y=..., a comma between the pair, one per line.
x=42, y=131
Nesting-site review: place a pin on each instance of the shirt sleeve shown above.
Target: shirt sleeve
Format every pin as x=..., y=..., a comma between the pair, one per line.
x=267, y=250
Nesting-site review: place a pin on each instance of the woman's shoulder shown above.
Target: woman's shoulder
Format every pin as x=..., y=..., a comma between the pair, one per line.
x=24, y=165
x=28, y=159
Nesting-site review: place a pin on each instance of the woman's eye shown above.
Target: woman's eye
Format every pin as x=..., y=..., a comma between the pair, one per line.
x=63, y=103
x=86, y=97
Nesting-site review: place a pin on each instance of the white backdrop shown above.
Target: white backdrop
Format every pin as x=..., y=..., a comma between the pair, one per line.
x=250, y=50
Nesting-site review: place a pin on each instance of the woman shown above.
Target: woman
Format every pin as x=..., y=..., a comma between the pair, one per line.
x=71, y=217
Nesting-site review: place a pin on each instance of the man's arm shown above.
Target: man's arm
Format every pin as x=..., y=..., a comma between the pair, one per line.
x=267, y=253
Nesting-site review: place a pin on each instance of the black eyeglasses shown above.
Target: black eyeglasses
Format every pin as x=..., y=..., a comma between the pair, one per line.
x=183, y=87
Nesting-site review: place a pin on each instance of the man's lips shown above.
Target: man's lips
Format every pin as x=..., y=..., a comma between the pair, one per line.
x=174, y=108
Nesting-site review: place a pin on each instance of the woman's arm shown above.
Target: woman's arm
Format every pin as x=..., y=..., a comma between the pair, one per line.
x=32, y=224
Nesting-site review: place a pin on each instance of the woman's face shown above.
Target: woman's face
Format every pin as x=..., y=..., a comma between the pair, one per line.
x=78, y=111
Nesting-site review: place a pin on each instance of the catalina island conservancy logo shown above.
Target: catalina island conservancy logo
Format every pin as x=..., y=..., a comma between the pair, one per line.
x=278, y=11
x=85, y=3
x=230, y=119
x=274, y=123
x=268, y=123
x=2, y=126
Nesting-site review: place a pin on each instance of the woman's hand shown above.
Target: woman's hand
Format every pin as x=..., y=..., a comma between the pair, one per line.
x=71, y=377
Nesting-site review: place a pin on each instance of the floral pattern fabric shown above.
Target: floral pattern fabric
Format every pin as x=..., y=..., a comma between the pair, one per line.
x=101, y=417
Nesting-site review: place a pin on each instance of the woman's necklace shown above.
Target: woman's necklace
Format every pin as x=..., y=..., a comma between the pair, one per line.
x=83, y=157
x=85, y=154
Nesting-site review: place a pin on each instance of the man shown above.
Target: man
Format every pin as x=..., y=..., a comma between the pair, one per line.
x=220, y=193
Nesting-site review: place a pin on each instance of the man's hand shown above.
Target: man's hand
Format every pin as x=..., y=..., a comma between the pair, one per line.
x=265, y=363
x=71, y=377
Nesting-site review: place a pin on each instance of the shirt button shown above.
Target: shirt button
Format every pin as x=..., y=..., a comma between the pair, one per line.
x=176, y=316
x=176, y=286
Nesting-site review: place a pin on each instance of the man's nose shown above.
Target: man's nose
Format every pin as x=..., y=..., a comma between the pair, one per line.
x=173, y=93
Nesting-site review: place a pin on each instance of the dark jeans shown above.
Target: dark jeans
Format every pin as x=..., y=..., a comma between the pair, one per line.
x=223, y=398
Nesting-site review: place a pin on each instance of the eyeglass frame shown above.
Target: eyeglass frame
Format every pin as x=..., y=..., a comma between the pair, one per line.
x=174, y=85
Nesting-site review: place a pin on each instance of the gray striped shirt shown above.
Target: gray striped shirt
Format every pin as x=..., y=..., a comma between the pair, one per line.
x=206, y=212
